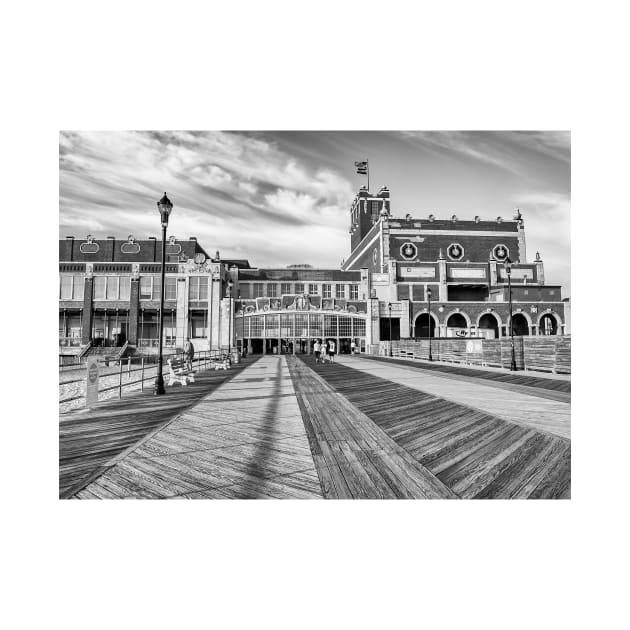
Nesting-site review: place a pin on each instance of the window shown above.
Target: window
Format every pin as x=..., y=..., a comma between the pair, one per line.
x=198, y=288
x=285, y=288
x=198, y=324
x=345, y=326
x=171, y=288
x=358, y=327
x=312, y=289
x=259, y=290
x=71, y=287
x=272, y=290
x=326, y=290
x=112, y=288
x=340, y=291
x=125, y=288
x=354, y=291
x=100, y=283
x=150, y=288
x=299, y=287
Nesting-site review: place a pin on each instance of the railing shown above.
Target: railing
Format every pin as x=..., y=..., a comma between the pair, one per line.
x=69, y=342
x=169, y=342
x=117, y=377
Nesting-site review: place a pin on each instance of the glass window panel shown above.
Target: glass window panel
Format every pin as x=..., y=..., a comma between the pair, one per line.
x=358, y=327
x=197, y=324
x=171, y=289
x=272, y=326
x=77, y=291
x=272, y=290
x=312, y=289
x=354, y=291
x=100, y=283
x=256, y=324
x=330, y=325
x=146, y=288
x=193, y=288
x=340, y=291
x=65, y=290
x=245, y=290
x=299, y=287
x=125, y=287
x=326, y=290
x=301, y=325
x=345, y=326
x=157, y=284
x=259, y=290
x=203, y=287
x=112, y=287
x=286, y=325
x=315, y=325
x=285, y=288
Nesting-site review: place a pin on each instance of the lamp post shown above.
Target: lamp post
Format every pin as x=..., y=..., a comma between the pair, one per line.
x=389, y=308
x=508, y=271
x=230, y=284
x=429, y=333
x=164, y=207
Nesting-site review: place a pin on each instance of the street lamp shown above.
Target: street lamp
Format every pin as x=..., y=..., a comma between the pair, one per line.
x=230, y=284
x=429, y=333
x=389, y=308
x=164, y=208
x=508, y=271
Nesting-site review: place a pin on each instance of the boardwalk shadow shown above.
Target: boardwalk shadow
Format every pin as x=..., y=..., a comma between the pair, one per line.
x=257, y=465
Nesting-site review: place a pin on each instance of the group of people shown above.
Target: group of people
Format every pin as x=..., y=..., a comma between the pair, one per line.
x=325, y=349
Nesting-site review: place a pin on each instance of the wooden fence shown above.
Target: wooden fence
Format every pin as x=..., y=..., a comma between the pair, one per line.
x=545, y=353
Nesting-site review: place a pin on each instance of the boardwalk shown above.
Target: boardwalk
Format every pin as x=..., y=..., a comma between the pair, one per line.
x=245, y=440
x=474, y=453
x=283, y=427
x=88, y=439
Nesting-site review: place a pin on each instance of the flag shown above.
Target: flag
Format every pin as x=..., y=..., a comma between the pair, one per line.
x=362, y=167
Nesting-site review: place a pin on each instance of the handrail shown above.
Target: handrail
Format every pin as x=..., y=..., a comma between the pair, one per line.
x=85, y=350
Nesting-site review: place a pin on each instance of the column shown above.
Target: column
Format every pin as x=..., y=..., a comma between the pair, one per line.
x=214, y=306
x=443, y=289
x=134, y=309
x=86, y=331
x=404, y=319
x=181, y=313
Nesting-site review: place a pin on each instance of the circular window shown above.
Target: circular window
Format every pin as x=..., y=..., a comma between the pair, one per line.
x=500, y=252
x=408, y=251
x=375, y=256
x=455, y=251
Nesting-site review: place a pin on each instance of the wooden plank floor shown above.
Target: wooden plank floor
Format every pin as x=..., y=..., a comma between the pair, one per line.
x=88, y=439
x=517, y=381
x=527, y=409
x=245, y=440
x=356, y=459
x=474, y=454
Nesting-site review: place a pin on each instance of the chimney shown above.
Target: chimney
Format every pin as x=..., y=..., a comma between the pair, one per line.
x=154, y=239
x=113, y=240
x=71, y=239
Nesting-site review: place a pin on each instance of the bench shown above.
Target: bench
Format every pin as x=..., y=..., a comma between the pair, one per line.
x=178, y=372
x=222, y=363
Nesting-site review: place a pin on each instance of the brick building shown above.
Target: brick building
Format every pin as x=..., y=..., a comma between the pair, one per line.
x=110, y=289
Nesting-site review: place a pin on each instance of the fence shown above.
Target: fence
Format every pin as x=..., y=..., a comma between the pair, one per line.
x=130, y=373
x=542, y=353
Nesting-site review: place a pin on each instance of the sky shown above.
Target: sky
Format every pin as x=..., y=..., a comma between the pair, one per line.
x=282, y=197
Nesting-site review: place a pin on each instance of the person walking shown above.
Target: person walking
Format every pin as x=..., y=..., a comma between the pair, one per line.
x=353, y=347
x=189, y=353
x=331, y=350
x=317, y=349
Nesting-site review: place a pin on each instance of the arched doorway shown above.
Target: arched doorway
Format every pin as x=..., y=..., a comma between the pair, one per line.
x=547, y=325
x=421, y=328
x=490, y=326
x=521, y=325
x=456, y=325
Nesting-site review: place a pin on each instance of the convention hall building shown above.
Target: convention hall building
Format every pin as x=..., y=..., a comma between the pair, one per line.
x=405, y=277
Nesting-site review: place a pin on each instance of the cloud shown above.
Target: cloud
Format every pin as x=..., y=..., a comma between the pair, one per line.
x=224, y=186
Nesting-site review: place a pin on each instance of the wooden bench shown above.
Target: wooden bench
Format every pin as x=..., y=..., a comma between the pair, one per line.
x=178, y=372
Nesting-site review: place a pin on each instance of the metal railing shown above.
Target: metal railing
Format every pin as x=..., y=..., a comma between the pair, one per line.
x=145, y=367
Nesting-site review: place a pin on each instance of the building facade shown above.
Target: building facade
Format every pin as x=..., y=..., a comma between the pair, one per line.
x=110, y=289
